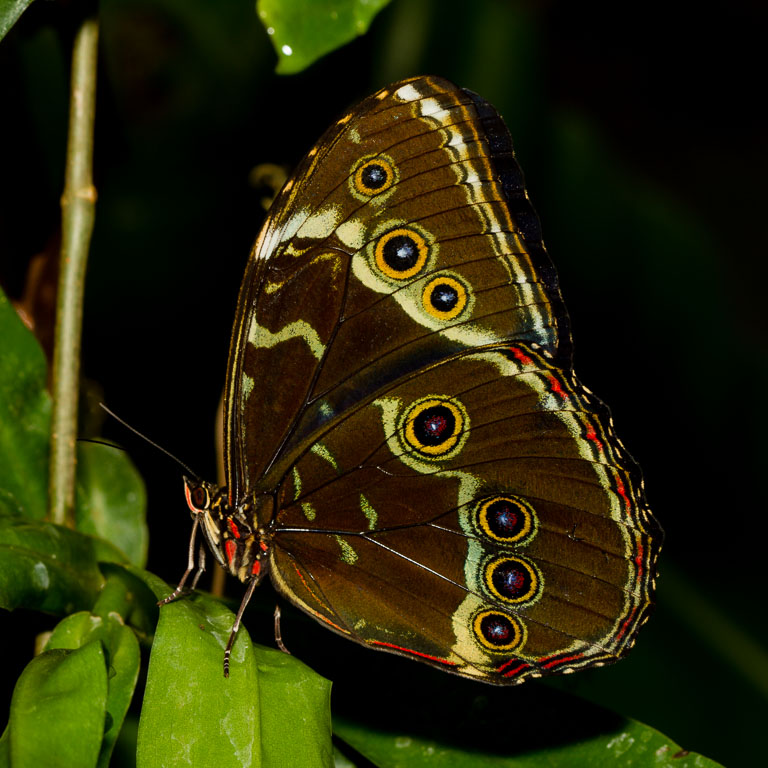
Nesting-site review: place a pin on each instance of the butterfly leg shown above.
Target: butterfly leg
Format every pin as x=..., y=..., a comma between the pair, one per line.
x=254, y=582
x=279, y=632
x=190, y=567
x=200, y=566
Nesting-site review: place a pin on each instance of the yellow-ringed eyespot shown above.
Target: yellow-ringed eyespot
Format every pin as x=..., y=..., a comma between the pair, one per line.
x=401, y=253
x=444, y=297
x=498, y=631
x=513, y=579
x=436, y=427
x=372, y=175
x=506, y=518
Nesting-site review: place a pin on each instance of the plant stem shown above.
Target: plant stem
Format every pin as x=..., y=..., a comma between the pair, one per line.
x=77, y=217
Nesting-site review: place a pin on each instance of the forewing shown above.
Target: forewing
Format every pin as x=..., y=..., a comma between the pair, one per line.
x=405, y=237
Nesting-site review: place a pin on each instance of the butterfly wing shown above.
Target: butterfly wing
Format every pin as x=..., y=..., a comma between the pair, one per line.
x=405, y=235
x=400, y=379
x=480, y=515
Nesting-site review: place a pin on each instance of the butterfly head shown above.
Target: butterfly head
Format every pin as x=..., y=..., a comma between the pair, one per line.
x=239, y=547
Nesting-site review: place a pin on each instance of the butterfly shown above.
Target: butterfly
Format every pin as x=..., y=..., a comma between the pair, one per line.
x=409, y=455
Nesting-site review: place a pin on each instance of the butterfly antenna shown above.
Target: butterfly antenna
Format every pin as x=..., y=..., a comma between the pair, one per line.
x=151, y=442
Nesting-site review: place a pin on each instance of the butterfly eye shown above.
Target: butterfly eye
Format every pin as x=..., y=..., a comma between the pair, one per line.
x=199, y=497
x=444, y=297
x=401, y=253
x=498, y=632
x=372, y=176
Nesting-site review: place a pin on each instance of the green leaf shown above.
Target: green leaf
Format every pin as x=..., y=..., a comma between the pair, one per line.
x=111, y=500
x=122, y=656
x=304, y=30
x=531, y=727
x=46, y=567
x=58, y=708
x=633, y=745
x=270, y=711
x=341, y=761
x=293, y=699
x=5, y=749
x=10, y=12
x=127, y=594
x=187, y=701
x=25, y=416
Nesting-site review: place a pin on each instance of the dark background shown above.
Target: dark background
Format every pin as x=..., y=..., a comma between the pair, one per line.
x=643, y=137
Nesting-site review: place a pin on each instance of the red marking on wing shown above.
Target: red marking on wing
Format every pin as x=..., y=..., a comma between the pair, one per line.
x=414, y=653
x=626, y=624
x=557, y=387
x=512, y=672
x=322, y=602
x=639, y=560
x=233, y=527
x=256, y=569
x=229, y=548
x=592, y=435
x=622, y=491
x=516, y=671
x=263, y=546
x=330, y=623
x=521, y=356
x=557, y=662
x=509, y=661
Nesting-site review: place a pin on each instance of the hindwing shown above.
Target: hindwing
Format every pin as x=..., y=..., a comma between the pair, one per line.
x=480, y=515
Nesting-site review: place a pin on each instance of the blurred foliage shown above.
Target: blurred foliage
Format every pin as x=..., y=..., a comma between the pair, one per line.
x=25, y=417
x=10, y=12
x=645, y=150
x=304, y=30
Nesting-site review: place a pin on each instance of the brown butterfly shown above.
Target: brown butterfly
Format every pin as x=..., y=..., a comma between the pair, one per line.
x=409, y=454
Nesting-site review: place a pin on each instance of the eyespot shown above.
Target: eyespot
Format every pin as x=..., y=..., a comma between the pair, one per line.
x=506, y=518
x=436, y=427
x=444, y=297
x=372, y=175
x=498, y=631
x=513, y=579
x=401, y=253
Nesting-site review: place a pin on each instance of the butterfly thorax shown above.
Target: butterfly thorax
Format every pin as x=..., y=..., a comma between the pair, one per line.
x=238, y=536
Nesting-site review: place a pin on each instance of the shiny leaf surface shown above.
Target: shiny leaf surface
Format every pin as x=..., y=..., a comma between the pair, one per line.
x=10, y=11
x=58, y=708
x=46, y=567
x=304, y=30
x=224, y=721
x=111, y=500
x=122, y=658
